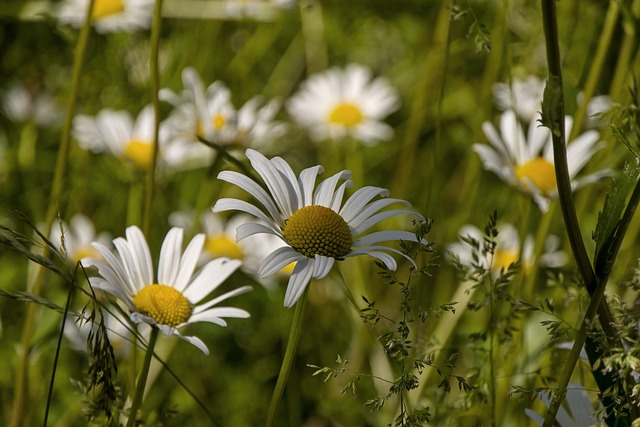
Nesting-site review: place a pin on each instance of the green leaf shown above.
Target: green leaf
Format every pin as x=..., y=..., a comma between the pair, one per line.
x=609, y=218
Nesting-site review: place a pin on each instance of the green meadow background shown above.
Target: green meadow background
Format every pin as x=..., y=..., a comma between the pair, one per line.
x=443, y=58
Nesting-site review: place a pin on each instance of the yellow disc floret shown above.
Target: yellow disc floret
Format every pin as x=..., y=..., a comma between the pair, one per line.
x=503, y=258
x=346, y=114
x=140, y=153
x=317, y=230
x=222, y=246
x=164, y=304
x=104, y=8
x=540, y=172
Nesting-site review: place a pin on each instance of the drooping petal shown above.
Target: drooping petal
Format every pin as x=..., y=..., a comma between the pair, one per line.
x=227, y=204
x=353, y=206
x=385, y=236
x=251, y=228
x=203, y=307
x=279, y=259
x=210, y=277
x=321, y=266
x=298, y=281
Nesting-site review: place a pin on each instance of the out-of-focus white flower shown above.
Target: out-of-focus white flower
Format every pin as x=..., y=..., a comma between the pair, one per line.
x=263, y=10
x=580, y=414
x=524, y=96
x=77, y=236
x=20, y=106
x=507, y=251
x=119, y=334
x=174, y=298
x=116, y=133
x=597, y=107
x=210, y=114
x=527, y=162
x=341, y=103
x=108, y=15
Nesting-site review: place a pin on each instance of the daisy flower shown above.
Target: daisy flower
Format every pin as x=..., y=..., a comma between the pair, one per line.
x=108, y=15
x=20, y=106
x=527, y=162
x=345, y=103
x=116, y=133
x=313, y=222
x=210, y=114
x=78, y=236
x=524, y=96
x=507, y=250
x=174, y=299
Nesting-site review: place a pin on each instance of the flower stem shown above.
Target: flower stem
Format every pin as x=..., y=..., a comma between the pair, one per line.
x=155, y=88
x=292, y=345
x=142, y=378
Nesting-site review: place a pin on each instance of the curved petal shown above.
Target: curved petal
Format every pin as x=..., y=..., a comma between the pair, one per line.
x=374, y=219
x=273, y=180
x=279, y=259
x=193, y=340
x=210, y=277
x=387, y=259
x=323, y=195
x=385, y=236
x=204, y=307
x=252, y=188
x=228, y=204
x=141, y=253
x=307, y=181
x=322, y=266
x=251, y=228
x=358, y=200
x=188, y=261
x=336, y=203
x=169, y=261
x=298, y=281
x=216, y=314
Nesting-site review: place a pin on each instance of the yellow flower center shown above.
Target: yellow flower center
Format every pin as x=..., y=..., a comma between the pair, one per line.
x=317, y=230
x=502, y=259
x=346, y=114
x=104, y=8
x=139, y=152
x=164, y=304
x=222, y=246
x=86, y=251
x=218, y=121
x=540, y=172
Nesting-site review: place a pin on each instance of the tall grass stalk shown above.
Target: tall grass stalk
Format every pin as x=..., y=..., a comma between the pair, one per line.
x=21, y=382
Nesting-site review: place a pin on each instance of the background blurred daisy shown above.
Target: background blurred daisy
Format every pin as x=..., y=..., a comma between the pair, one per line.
x=316, y=226
x=507, y=251
x=78, y=236
x=76, y=331
x=263, y=10
x=174, y=299
x=527, y=162
x=341, y=103
x=116, y=133
x=523, y=96
x=108, y=15
x=21, y=106
x=210, y=114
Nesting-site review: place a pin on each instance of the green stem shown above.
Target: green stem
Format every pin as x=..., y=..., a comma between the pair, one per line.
x=20, y=392
x=155, y=88
x=290, y=352
x=595, y=285
x=142, y=378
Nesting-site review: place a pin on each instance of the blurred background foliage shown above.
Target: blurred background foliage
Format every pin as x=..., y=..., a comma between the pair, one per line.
x=443, y=58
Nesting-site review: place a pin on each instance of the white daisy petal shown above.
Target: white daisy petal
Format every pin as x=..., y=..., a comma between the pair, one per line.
x=252, y=228
x=298, y=282
x=278, y=259
x=385, y=236
x=321, y=266
x=169, y=262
